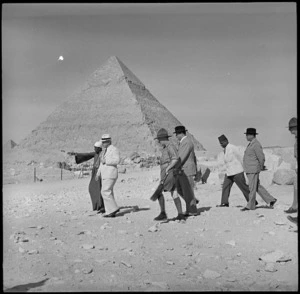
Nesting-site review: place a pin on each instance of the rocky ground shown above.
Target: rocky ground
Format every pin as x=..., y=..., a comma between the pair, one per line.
x=54, y=242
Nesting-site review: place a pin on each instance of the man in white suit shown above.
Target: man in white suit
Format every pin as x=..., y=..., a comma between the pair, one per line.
x=108, y=172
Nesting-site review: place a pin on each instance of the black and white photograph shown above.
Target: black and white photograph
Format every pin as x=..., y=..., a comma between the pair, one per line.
x=149, y=147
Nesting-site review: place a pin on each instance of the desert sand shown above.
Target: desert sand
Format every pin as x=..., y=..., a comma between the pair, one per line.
x=53, y=241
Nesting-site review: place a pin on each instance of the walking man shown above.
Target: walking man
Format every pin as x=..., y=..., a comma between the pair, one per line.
x=186, y=170
x=234, y=171
x=108, y=171
x=253, y=162
x=294, y=208
x=168, y=160
x=94, y=186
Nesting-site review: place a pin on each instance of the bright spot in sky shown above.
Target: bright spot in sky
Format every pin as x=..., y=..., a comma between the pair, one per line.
x=61, y=58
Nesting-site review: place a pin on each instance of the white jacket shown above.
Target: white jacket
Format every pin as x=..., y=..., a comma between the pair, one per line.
x=109, y=170
x=233, y=160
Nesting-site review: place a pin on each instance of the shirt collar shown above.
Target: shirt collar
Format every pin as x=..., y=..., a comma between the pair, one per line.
x=182, y=139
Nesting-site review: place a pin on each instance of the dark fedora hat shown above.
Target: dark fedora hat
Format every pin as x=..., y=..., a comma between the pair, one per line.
x=251, y=131
x=180, y=129
x=292, y=123
x=162, y=133
x=222, y=138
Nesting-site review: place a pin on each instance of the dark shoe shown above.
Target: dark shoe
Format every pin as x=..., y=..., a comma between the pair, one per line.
x=197, y=201
x=293, y=219
x=223, y=205
x=273, y=202
x=244, y=209
x=291, y=210
x=180, y=217
x=101, y=210
x=256, y=203
x=113, y=214
x=161, y=216
x=186, y=214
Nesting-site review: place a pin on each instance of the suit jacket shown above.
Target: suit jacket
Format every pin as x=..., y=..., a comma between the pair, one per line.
x=109, y=170
x=254, y=157
x=187, y=158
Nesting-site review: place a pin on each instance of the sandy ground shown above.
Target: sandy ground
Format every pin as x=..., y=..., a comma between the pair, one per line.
x=54, y=242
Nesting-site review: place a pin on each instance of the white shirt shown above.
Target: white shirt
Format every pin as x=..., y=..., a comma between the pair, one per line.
x=233, y=160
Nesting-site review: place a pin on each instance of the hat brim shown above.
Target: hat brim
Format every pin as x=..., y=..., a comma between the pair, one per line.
x=164, y=137
x=178, y=132
x=251, y=133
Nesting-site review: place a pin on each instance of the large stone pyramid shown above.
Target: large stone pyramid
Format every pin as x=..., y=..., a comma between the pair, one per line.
x=114, y=101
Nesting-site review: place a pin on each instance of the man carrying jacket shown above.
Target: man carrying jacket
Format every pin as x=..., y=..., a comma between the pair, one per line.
x=234, y=171
x=253, y=162
x=108, y=171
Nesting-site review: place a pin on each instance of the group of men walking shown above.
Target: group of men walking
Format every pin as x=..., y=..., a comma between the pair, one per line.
x=252, y=164
x=178, y=169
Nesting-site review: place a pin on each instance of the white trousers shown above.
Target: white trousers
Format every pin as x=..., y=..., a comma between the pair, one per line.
x=107, y=192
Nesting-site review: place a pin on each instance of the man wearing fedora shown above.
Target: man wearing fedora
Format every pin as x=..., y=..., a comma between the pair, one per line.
x=234, y=171
x=253, y=162
x=168, y=160
x=294, y=208
x=108, y=171
x=186, y=170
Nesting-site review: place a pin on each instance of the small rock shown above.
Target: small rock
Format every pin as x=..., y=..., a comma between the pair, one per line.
x=270, y=267
x=87, y=246
x=22, y=250
x=280, y=223
x=126, y=264
x=34, y=251
x=153, y=228
x=230, y=279
x=284, y=259
x=209, y=274
x=272, y=256
x=170, y=262
x=77, y=271
x=87, y=270
x=239, y=254
x=104, y=226
x=232, y=243
x=271, y=233
x=40, y=227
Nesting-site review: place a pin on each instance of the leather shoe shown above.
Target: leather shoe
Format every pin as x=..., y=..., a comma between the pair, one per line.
x=180, y=217
x=293, y=219
x=244, y=209
x=113, y=214
x=291, y=210
x=223, y=205
x=272, y=203
x=161, y=216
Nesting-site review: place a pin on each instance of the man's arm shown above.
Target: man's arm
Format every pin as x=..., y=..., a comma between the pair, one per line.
x=259, y=154
x=184, y=151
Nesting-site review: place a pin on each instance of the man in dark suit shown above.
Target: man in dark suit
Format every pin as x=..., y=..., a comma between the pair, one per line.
x=187, y=169
x=253, y=163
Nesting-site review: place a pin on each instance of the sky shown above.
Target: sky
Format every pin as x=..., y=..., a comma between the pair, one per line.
x=219, y=67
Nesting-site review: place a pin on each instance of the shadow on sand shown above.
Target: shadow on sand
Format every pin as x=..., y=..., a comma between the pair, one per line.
x=129, y=209
x=25, y=287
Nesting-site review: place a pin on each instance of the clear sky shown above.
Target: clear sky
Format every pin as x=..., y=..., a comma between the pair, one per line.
x=219, y=68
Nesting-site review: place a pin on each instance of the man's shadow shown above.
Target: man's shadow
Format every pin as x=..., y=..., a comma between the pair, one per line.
x=199, y=210
x=26, y=287
x=129, y=209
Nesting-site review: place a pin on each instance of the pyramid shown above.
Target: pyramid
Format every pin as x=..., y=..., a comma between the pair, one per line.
x=9, y=145
x=113, y=100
